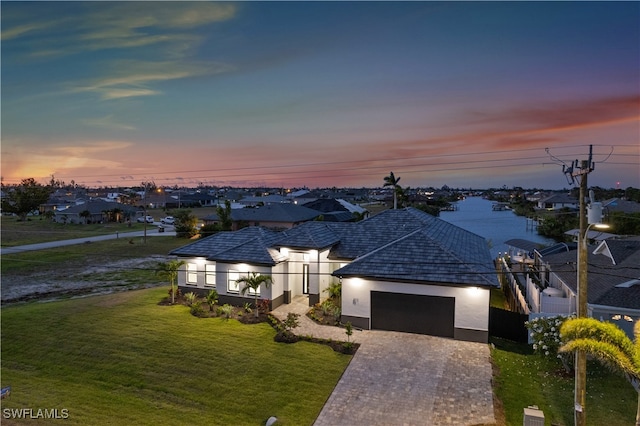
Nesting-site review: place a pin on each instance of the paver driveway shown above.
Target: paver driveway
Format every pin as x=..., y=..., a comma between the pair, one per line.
x=406, y=379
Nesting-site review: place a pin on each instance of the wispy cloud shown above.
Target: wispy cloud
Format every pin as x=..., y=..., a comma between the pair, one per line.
x=132, y=78
x=107, y=122
x=115, y=25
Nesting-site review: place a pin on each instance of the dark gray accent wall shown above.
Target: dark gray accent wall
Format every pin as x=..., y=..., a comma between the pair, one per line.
x=313, y=299
x=480, y=336
x=357, y=322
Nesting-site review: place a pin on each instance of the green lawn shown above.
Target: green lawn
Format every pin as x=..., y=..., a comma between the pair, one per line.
x=82, y=255
x=124, y=359
x=524, y=378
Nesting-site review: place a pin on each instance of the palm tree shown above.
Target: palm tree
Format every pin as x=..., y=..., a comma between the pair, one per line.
x=393, y=182
x=85, y=214
x=608, y=343
x=212, y=298
x=170, y=270
x=253, y=282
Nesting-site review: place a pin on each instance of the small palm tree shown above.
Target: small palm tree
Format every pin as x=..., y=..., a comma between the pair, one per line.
x=393, y=182
x=170, y=270
x=212, y=298
x=606, y=342
x=253, y=282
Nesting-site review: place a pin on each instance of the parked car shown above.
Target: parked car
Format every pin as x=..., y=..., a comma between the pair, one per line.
x=148, y=219
x=169, y=220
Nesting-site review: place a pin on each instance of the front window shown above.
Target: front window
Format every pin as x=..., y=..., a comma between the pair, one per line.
x=253, y=292
x=192, y=273
x=210, y=275
x=232, y=285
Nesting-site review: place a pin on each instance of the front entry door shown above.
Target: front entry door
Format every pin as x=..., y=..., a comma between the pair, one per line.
x=305, y=279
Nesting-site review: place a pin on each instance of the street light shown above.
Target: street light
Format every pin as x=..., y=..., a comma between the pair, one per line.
x=595, y=219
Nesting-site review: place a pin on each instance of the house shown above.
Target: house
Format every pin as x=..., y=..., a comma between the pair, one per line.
x=337, y=210
x=617, y=205
x=613, y=280
x=401, y=270
x=97, y=211
x=558, y=201
x=274, y=216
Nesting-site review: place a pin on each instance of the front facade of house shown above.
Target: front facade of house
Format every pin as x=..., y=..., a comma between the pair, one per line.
x=401, y=270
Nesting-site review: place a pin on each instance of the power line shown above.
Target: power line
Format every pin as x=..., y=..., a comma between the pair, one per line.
x=283, y=170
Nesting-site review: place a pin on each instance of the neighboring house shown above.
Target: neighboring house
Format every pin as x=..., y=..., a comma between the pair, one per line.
x=615, y=205
x=558, y=201
x=402, y=270
x=337, y=210
x=275, y=216
x=613, y=280
x=99, y=211
x=267, y=199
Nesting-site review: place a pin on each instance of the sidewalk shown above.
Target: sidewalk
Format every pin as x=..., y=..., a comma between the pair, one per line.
x=62, y=243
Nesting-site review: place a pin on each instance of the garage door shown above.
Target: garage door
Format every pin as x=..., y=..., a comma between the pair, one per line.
x=411, y=313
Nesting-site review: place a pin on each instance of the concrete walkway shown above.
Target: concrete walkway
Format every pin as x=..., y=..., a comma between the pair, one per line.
x=151, y=232
x=404, y=379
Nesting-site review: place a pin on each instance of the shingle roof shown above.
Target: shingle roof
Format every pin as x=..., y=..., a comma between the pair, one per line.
x=431, y=250
x=280, y=212
x=399, y=245
x=251, y=245
x=310, y=235
x=97, y=207
x=526, y=245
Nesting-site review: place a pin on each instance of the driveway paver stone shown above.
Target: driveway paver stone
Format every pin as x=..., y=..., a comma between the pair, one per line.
x=405, y=379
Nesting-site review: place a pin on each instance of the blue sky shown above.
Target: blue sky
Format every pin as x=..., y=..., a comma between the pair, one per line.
x=465, y=94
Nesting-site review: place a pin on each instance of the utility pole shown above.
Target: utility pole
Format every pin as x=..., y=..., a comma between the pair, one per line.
x=581, y=172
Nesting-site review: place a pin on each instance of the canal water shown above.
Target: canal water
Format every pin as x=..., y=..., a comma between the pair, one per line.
x=475, y=214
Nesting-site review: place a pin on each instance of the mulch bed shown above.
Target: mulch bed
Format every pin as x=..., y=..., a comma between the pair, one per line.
x=239, y=313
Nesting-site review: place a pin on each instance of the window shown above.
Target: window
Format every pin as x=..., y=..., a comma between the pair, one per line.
x=252, y=292
x=210, y=275
x=232, y=285
x=192, y=273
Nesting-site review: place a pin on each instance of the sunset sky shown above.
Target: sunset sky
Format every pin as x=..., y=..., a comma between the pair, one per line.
x=320, y=94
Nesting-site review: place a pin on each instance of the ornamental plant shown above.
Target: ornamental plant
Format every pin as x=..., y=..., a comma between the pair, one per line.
x=545, y=335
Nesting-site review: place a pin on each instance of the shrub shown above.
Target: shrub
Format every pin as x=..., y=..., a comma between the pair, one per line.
x=191, y=298
x=197, y=311
x=263, y=305
x=247, y=307
x=334, y=290
x=327, y=307
x=285, y=328
x=225, y=310
x=545, y=334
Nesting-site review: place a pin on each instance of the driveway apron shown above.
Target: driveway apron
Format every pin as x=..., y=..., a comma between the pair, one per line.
x=407, y=379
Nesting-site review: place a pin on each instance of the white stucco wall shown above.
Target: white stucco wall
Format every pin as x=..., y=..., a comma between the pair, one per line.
x=471, y=303
x=222, y=270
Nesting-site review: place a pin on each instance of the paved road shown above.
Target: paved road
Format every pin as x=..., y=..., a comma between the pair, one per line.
x=152, y=231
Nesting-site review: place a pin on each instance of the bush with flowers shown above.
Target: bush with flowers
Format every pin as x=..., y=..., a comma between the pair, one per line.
x=545, y=335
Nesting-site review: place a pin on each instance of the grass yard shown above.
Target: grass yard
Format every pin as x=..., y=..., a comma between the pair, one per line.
x=38, y=229
x=97, y=253
x=124, y=359
x=525, y=378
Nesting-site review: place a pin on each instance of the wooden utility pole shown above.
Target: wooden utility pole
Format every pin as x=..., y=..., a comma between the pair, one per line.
x=580, y=391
